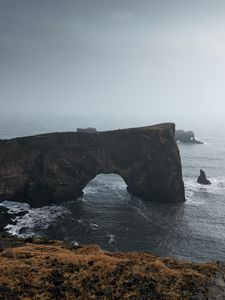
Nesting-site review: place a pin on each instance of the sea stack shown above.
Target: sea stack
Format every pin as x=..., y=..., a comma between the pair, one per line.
x=202, y=179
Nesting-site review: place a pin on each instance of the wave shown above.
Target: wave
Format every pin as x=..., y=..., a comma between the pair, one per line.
x=112, y=239
x=94, y=226
x=217, y=187
x=89, y=190
x=34, y=219
x=15, y=207
x=207, y=143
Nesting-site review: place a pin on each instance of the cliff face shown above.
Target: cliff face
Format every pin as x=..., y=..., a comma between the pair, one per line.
x=54, y=167
x=38, y=269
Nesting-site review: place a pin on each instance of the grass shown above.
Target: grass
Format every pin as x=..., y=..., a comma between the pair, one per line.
x=53, y=270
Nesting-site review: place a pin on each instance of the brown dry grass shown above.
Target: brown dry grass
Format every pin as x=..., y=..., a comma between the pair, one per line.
x=58, y=271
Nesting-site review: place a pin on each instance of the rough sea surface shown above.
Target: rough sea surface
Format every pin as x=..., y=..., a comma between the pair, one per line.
x=109, y=216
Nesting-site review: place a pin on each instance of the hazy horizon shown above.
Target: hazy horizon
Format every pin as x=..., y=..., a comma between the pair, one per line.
x=132, y=62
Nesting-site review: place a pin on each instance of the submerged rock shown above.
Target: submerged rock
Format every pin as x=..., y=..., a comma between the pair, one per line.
x=202, y=179
x=187, y=137
x=55, y=167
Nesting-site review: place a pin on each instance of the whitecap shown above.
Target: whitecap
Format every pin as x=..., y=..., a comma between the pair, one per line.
x=112, y=239
x=217, y=186
x=94, y=226
x=35, y=219
x=207, y=143
x=15, y=207
x=90, y=190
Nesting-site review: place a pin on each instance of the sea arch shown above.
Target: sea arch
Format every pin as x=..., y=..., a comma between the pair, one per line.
x=51, y=168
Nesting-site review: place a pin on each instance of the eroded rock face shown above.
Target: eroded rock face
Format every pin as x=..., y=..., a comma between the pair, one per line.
x=51, y=168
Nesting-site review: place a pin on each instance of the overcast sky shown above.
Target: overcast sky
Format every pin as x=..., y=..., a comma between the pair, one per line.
x=162, y=59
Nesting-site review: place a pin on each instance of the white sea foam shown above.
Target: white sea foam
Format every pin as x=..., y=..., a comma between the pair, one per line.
x=15, y=207
x=217, y=186
x=34, y=218
x=207, y=143
x=94, y=226
x=112, y=239
x=200, y=139
x=90, y=190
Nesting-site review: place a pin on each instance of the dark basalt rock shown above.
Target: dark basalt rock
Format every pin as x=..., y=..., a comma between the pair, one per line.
x=187, y=137
x=51, y=168
x=202, y=178
x=4, y=218
x=7, y=218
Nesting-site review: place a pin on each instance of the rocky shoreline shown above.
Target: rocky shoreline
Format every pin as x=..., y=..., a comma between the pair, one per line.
x=43, y=269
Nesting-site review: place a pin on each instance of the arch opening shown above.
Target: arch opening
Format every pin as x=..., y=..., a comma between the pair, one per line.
x=105, y=183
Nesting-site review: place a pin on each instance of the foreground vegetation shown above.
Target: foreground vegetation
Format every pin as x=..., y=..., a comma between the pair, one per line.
x=39, y=269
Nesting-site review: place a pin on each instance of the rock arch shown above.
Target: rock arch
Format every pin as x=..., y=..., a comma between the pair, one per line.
x=54, y=167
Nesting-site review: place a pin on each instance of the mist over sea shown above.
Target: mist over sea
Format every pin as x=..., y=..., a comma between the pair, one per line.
x=109, y=216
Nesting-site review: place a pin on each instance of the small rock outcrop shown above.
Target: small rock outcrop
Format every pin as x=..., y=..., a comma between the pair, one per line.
x=186, y=137
x=55, y=167
x=202, y=179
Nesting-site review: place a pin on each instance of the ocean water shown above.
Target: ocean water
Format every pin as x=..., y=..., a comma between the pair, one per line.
x=109, y=216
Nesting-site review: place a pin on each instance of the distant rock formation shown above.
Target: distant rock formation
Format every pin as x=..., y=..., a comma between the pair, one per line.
x=87, y=130
x=187, y=137
x=55, y=167
x=202, y=178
